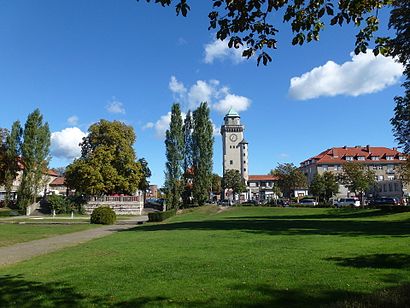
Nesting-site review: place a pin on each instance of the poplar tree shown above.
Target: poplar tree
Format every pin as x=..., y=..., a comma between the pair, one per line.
x=13, y=152
x=35, y=152
x=187, y=163
x=174, y=144
x=202, y=141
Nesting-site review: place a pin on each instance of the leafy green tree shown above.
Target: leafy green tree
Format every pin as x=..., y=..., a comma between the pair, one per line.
x=253, y=23
x=289, y=178
x=324, y=186
x=216, y=184
x=3, y=155
x=188, y=159
x=234, y=181
x=146, y=174
x=13, y=152
x=174, y=145
x=202, y=141
x=317, y=187
x=357, y=177
x=35, y=155
x=400, y=48
x=108, y=162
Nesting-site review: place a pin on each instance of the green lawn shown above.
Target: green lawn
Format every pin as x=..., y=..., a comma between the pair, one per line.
x=274, y=257
x=16, y=233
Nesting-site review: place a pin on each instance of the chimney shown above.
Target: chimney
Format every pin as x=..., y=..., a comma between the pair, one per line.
x=345, y=147
x=394, y=149
x=368, y=148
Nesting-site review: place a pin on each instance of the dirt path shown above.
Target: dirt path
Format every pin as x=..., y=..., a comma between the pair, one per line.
x=27, y=250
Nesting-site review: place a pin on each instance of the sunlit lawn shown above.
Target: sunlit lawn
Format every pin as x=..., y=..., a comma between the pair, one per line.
x=238, y=257
x=16, y=233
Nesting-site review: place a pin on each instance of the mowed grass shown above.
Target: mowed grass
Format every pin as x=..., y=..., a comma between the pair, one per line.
x=17, y=233
x=245, y=257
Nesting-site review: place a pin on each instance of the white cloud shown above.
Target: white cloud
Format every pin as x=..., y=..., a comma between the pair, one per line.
x=239, y=103
x=217, y=96
x=176, y=86
x=201, y=91
x=218, y=49
x=364, y=74
x=115, y=106
x=73, y=120
x=65, y=143
x=148, y=126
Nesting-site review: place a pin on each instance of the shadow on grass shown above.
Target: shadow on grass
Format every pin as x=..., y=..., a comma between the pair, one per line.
x=398, y=296
x=289, y=227
x=15, y=291
x=394, y=260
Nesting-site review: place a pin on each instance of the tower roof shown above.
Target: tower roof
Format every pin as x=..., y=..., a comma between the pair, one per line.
x=232, y=113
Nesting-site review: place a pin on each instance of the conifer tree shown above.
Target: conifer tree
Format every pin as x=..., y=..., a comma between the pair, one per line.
x=35, y=151
x=202, y=141
x=13, y=152
x=174, y=144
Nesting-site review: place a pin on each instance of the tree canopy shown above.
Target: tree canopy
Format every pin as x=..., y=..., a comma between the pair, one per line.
x=234, y=181
x=324, y=186
x=356, y=177
x=108, y=161
x=289, y=178
x=254, y=23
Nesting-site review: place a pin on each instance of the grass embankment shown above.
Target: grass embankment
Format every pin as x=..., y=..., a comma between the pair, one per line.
x=237, y=257
x=18, y=233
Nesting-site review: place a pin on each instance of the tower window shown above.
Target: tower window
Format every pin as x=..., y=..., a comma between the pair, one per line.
x=231, y=162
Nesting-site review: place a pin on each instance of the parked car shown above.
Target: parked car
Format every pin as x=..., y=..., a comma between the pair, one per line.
x=384, y=201
x=224, y=202
x=308, y=202
x=348, y=202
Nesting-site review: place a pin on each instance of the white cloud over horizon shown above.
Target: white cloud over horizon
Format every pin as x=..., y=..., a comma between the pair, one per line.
x=115, y=106
x=364, y=74
x=66, y=143
x=220, y=50
x=218, y=97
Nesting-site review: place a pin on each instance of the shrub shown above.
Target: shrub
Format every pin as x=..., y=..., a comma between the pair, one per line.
x=161, y=216
x=103, y=215
x=60, y=204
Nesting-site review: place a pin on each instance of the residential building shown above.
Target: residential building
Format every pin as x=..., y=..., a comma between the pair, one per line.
x=262, y=187
x=384, y=162
x=48, y=177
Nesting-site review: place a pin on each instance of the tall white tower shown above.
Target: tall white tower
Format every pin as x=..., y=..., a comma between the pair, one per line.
x=235, y=147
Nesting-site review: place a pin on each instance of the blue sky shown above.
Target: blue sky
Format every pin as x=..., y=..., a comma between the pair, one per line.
x=81, y=61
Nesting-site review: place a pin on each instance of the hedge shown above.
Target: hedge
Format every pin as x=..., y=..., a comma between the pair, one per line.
x=161, y=216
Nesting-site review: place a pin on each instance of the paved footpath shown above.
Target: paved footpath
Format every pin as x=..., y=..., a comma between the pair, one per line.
x=27, y=250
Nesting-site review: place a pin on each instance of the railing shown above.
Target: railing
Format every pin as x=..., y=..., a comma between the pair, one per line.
x=115, y=199
x=122, y=205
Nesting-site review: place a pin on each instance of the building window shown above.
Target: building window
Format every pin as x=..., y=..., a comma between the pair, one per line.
x=244, y=169
x=390, y=187
x=389, y=157
x=380, y=167
x=325, y=167
x=360, y=158
x=390, y=178
x=375, y=157
x=396, y=187
x=336, y=167
x=231, y=162
x=349, y=157
x=380, y=178
x=244, y=161
x=402, y=158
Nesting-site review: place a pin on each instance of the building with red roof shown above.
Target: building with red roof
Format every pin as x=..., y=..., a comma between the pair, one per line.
x=385, y=163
